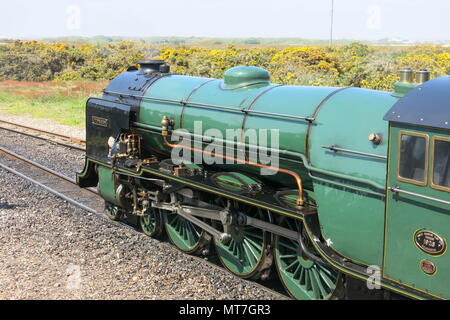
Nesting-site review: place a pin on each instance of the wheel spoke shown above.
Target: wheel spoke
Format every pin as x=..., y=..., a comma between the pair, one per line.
x=241, y=254
x=259, y=235
x=251, y=256
x=290, y=247
x=303, y=278
x=291, y=265
x=288, y=256
x=151, y=223
x=317, y=278
x=233, y=247
x=297, y=271
x=244, y=253
x=307, y=281
x=186, y=236
x=314, y=284
x=326, y=279
x=189, y=233
x=252, y=250
x=255, y=244
x=196, y=231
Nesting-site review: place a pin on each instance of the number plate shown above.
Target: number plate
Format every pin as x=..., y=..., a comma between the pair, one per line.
x=429, y=242
x=102, y=122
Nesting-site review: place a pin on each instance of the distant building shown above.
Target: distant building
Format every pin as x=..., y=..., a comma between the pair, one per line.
x=399, y=40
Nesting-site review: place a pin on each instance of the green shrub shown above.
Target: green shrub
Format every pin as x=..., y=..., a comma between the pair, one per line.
x=355, y=64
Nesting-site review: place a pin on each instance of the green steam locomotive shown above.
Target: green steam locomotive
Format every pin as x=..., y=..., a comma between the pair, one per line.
x=342, y=192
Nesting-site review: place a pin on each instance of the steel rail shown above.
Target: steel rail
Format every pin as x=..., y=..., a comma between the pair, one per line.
x=37, y=165
x=104, y=217
x=56, y=193
x=73, y=140
x=52, y=191
x=43, y=139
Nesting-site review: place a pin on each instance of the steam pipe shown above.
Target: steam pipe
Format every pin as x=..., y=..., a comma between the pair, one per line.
x=298, y=180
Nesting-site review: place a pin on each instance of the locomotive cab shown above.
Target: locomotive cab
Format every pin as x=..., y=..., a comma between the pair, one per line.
x=417, y=225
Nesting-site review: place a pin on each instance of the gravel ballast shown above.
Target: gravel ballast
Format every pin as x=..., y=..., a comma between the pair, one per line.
x=59, y=158
x=44, y=124
x=50, y=249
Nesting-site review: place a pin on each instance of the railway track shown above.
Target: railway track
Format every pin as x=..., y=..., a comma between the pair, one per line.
x=89, y=200
x=48, y=136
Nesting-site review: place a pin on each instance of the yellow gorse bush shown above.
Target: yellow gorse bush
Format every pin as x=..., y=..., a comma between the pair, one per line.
x=355, y=64
x=439, y=63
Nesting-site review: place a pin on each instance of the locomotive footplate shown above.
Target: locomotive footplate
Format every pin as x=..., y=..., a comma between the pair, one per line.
x=202, y=180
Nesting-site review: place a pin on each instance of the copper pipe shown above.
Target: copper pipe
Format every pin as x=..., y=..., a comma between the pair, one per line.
x=291, y=173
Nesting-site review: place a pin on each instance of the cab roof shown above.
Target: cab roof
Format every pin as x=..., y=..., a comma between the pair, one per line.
x=426, y=105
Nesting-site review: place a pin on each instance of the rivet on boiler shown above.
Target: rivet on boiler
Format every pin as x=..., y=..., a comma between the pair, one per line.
x=375, y=138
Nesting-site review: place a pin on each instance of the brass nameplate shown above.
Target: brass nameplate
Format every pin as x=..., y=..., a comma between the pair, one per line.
x=429, y=242
x=101, y=122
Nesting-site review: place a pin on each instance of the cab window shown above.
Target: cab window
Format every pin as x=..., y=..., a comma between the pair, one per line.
x=441, y=163
x=413, y=158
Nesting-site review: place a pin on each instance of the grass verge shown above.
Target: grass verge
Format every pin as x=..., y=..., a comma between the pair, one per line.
x=63, y=102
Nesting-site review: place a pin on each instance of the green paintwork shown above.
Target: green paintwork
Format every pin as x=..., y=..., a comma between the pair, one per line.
x=151, y=222
x=238, y=77
x=407, y=214
x=173, y=87
x=295, y=101
x=402, y=88
x=186, y=236
x=352, y=220
x=106, y=184
x=289, y=100
x=345, y=119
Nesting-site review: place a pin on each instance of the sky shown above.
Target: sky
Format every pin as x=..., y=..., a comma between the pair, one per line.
x=416, y=20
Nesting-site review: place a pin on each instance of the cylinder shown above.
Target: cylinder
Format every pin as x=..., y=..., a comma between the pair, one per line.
x=423, y=75
x=407, y=75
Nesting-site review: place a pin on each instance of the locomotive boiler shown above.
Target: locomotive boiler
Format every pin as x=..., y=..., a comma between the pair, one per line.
x=342, y=192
